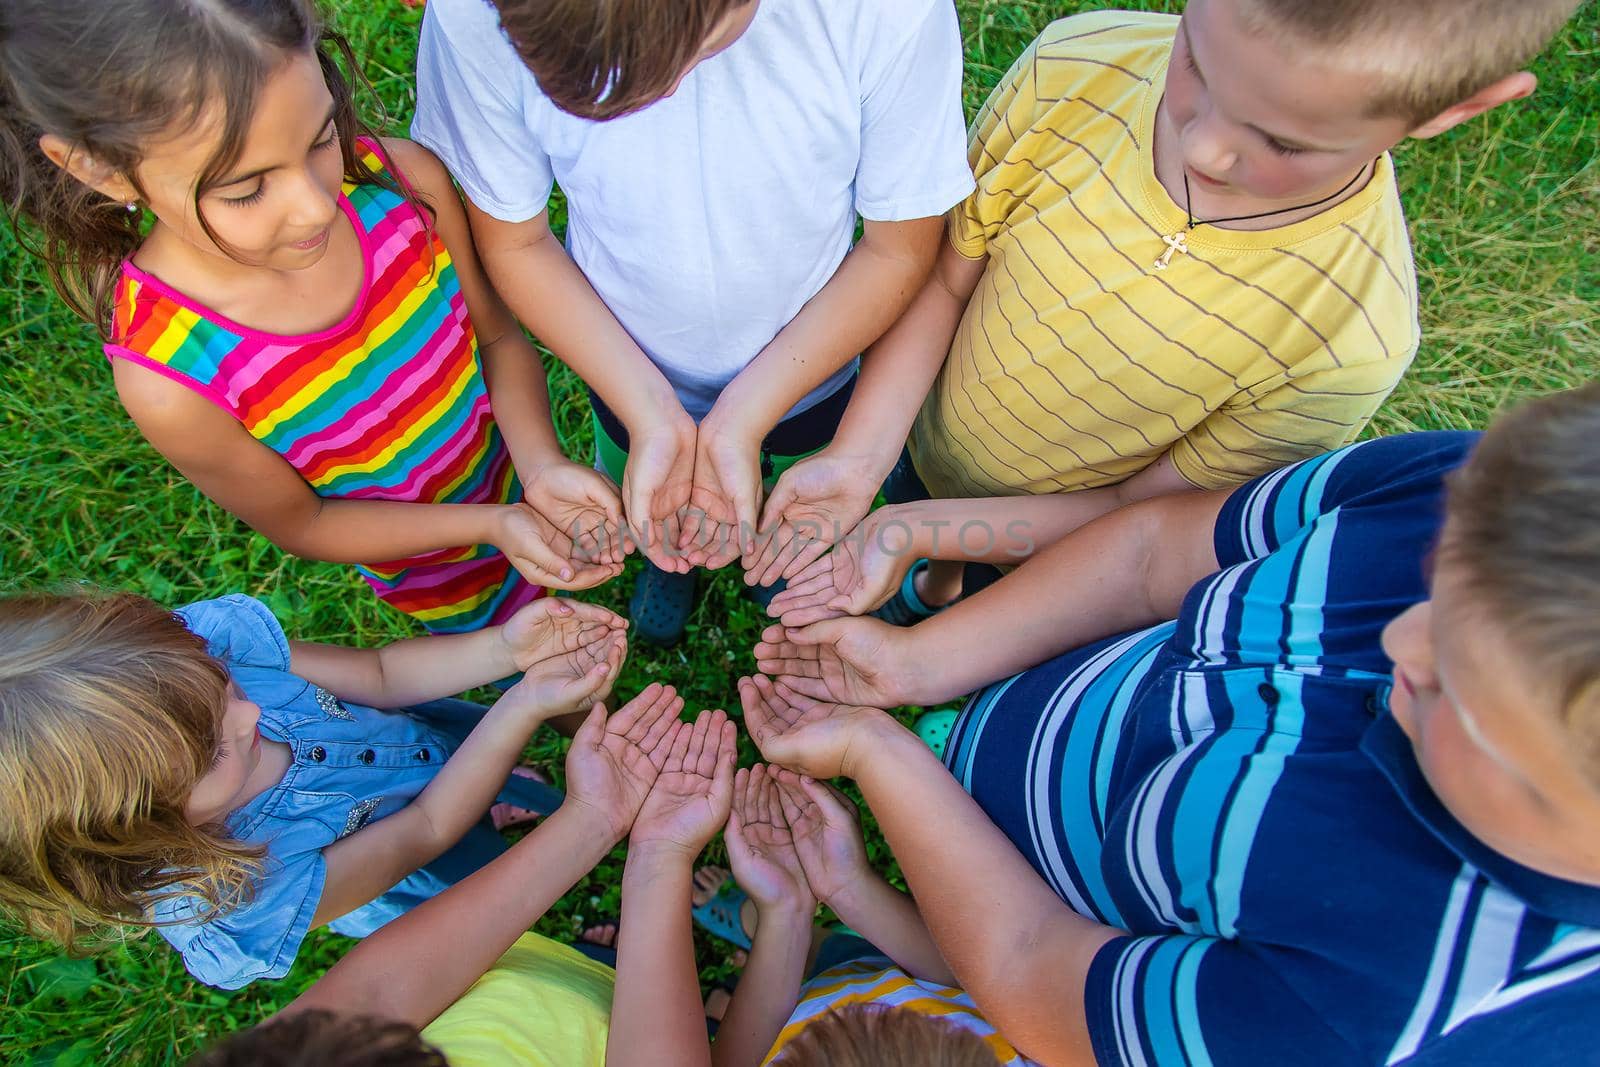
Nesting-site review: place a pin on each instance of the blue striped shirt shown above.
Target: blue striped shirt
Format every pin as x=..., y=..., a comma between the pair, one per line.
x=1231, y=789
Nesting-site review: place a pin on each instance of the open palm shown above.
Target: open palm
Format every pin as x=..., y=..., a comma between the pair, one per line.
x=761, y=849
x=826, y=830
x=615, y=760
x=689, y=801
x=817, y=738
x=847, y=661
x=558, y=627
x=813, y=503
x=861, y=572
x=585, y=505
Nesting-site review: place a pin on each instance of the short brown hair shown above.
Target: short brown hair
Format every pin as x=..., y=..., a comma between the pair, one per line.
x=109, y=710
x=1524, y=526
x=318, y=1038
x=1430, y=54
x=885, y=1035
x=598, y=59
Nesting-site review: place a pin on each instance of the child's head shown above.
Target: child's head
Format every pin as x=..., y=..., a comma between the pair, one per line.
x=228, y=120
x=602, y=58
x=316, y=1038
x=111, y=715
x=1497, y=677
x=882, y=1035
x=1284, y=100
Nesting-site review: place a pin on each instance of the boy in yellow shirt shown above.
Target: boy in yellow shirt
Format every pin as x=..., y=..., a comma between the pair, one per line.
x=1185, y=264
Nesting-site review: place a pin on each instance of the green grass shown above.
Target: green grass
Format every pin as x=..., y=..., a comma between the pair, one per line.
x=1502, y=218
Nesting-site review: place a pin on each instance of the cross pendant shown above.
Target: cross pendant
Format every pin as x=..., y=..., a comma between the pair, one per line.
x=1177, y=244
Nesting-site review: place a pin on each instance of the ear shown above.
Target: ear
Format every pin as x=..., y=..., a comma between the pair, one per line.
x=1516, y=86
x=87, y=169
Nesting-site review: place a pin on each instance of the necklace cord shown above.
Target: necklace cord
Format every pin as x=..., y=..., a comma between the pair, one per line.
x=1192, y=222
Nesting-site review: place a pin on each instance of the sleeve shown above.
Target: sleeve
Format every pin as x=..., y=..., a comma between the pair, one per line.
x=912, y=162
x=1008, y=113
x=1402, y=475
x=257, y=939
x=1180, y=1000
x=474, y=125
x=238, y=629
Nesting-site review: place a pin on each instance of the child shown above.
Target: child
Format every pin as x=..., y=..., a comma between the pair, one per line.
x=791, y=842
x=198, y=772
x=1185, y=264
x=301, y=328
x=1301, y=772
x=462, y=965
x=715, y=157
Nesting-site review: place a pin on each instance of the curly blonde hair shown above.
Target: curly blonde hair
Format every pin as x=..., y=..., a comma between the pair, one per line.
x=109, y=712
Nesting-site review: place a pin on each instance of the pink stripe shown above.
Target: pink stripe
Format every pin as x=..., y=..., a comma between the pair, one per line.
x=520, y=598
x=447, y=454
x=193, y=385
x=434, y=575
x=374, y=409
x=256, y=359
x=261, y=336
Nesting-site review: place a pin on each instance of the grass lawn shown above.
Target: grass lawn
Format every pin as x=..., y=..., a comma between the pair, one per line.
x=1502, y=214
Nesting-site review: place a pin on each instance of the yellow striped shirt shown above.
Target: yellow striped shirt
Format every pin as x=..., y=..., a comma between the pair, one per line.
x=1077, y=365
x=877, y=981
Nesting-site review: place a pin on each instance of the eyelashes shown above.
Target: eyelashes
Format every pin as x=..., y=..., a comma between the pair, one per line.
x=1277, y=147
x=327, y=142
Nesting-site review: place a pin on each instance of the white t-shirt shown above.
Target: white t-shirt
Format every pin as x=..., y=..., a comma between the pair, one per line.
x=707, y=220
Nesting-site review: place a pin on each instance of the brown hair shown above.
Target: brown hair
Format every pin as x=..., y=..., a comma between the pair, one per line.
x=1524, y=526
x=318, y=1038
x=885, y=1035
x=156, y=65
x=598, y=59
x=1429, y=54
x=109, y=709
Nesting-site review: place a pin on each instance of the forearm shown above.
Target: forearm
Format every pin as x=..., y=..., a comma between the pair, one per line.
x=1010, y=942
x=381, y=531
x=1126, y=570
x=419, y=964
x=872, y=287
x=890, y=920
x=411, y=671
x=519, y=395
x=549, y=294
x=768, y=989
x=656, y=1014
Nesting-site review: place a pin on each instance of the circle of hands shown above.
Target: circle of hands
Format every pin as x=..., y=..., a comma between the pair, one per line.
x=693, y=497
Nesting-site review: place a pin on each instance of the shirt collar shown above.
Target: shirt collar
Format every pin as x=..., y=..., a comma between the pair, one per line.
x=1388, y=746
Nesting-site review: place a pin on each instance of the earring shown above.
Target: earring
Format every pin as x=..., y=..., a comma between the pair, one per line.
x=132, y=206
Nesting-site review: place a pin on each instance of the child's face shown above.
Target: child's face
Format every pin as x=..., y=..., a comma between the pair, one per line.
x=1492, y=750
x=276, y=205
x=1258, y=121
x=238, y=755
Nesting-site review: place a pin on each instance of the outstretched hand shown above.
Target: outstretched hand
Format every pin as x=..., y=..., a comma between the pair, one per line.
x=859, y=575
x=584, y=505
x=689, y=801
x=846, y=661
x=825, y=827
x=725, y=497
x=543, y=553
x=614, y=761
x=656, y=485
x=569, y=653
x=816, y=738
x=811, y=506
x=761, y=849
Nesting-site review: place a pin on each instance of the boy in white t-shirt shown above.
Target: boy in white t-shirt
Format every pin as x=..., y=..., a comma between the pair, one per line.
x=715, y=157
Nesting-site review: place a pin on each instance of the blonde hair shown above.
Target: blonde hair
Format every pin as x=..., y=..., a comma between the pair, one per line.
x=109, y=710
x=1429, y=54
x=1524, y=527
x=884, y=1035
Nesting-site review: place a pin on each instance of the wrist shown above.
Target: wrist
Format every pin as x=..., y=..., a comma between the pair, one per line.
x=889, y=744
x=589, y=824
x=735, y=421
x=785, y=916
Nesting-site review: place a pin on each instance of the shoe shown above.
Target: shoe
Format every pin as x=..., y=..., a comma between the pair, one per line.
x=763, y=594
x=905, y=608
x=661, y=605
x=934, y=729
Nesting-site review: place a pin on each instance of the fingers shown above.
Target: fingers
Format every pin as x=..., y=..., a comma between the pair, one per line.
x=733, y=832
x=829, y=802
x=806, y=536
x=584, y=612
x=594, y=727
x=806, y=614
x=633, y=719
x=806, y=557
x=678, y=753
x=783, y=494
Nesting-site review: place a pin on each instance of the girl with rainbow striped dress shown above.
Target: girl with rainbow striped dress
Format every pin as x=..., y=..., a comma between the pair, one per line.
x=306, y=335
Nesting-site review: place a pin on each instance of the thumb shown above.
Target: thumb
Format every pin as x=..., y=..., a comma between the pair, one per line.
x=593, y=728
x=826, y=632
x=783, y=494
x=834, y=813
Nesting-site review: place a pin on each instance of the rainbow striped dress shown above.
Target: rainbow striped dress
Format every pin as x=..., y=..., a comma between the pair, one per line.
x=389, y=404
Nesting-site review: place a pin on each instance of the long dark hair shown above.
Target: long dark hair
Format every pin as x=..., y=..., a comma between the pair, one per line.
x=107, y=77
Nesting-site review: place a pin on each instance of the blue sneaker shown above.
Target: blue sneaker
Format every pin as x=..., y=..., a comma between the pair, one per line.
x=905, y=608
x=661, y=605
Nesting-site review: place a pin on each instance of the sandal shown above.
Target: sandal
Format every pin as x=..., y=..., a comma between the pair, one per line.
x=934, y=729
x=507, y=816
x=905, y=608
x=721, y=915
x=661, y=605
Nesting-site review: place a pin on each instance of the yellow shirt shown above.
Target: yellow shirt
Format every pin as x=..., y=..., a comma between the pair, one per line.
x=877, y=981
x=1077, y=365
x=542, y=1005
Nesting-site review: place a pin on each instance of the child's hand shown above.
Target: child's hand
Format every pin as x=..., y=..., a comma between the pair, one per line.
x=583, y=504
x=859, y=575
x=655, y=488
x=725, y=498
x=845, y=661
x=826, y=829
x=542, y=553
x=614, y=760
x=553, y=627
x=690, y=800
x=811, y=506
x=819, y=739
x=760, y=848
x=571, y=681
